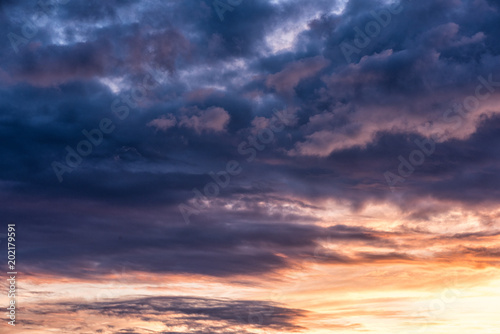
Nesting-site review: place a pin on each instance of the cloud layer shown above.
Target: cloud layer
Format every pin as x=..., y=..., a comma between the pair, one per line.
x=364, y=134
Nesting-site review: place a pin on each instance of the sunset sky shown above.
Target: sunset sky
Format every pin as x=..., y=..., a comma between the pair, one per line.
x=251, y=166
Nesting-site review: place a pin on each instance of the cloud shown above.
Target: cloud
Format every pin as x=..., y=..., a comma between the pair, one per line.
x=189, y=314
x=163, y=123
x=287, y=79
x=218, y=83
x=213, y=119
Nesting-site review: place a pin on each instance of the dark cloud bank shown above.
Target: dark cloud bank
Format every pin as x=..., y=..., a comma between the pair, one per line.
x=183, y=89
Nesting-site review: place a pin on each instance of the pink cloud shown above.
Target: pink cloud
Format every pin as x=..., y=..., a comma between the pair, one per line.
x=286, y=80
x=200, y=94
x=213, y=119
x=163, y=123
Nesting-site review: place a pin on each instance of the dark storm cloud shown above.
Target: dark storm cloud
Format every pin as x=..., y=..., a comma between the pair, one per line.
x=159, y=241
x=358, y=174
x=220, y=81
x=110, y=52
x=93, y=10
x=56, y=64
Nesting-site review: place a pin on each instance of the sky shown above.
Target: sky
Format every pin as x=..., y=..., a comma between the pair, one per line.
x=251, y=166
